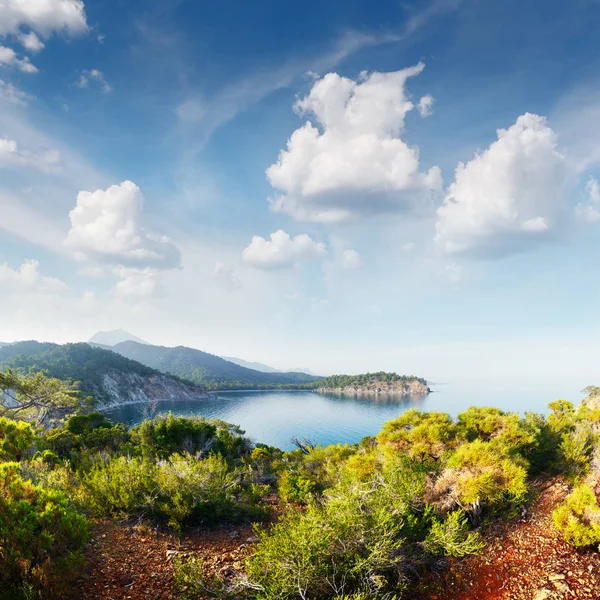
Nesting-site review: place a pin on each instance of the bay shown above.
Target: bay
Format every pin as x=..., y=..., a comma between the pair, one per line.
x=274, y=417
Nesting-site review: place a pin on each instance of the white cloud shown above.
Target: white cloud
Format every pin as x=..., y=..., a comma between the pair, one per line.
x=588, y=212
x=12, y=94
x=106, y=225
x=282, y=251
x=226, y=277
x=407, y=247
x=9, y=58
x=511, y=195
x=11, y=156
x=28, y=279
x=425, y=106
x=31, y=42
x=357, y=164
x=593, y=190
x=94, y=75
x=350, y=259
x=136, y=283
x=43, y=16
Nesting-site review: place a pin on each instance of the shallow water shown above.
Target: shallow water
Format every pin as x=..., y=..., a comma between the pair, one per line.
x=274, y=417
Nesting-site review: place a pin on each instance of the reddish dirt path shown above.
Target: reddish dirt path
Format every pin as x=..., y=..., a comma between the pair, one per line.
x=135, y=562
x=524, y=560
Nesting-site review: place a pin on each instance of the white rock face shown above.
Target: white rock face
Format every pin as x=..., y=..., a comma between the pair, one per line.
x=120, y=388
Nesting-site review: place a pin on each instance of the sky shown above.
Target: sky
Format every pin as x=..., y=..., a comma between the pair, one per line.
x=343, y=186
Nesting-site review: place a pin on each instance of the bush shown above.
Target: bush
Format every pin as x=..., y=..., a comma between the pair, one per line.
x=180, y=490
x=452, y=537
x=578, y=517
x=420, y=435
x=40, y=531
x=168, y=435
x=16, y=439
x=363, y=537
x=480, y=474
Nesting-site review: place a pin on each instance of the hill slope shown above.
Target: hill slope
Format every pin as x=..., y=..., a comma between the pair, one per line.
x=111, y=378
x=206, y=369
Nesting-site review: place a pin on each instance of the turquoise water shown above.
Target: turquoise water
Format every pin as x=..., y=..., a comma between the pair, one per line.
x=274, y=417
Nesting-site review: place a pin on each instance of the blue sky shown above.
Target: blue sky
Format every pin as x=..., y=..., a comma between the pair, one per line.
x=408, y=186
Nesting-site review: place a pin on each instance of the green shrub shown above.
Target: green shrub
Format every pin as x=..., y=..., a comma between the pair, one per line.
x=421, y=436
x=508, y=429
x=180, y=490
x=451, y=537
x=40, y=531
x=361, y=538
x=578, y=517
x=480, y=474
x=16, y=439
x=575, y=451
x=168, y=435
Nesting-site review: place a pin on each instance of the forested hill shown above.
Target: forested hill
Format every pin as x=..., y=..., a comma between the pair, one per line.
x=109, y=377
x=206, y=369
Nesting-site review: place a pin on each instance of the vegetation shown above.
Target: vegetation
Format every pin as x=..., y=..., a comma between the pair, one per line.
x=342, y=381
x=206, y=369
x=356, y=521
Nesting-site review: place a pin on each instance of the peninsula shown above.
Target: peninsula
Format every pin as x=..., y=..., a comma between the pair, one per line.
x=372, y=384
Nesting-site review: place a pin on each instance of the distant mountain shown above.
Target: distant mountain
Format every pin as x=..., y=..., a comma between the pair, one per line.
x=116, y=336
x=251, y=365
x=206, y=369
x=111, y=378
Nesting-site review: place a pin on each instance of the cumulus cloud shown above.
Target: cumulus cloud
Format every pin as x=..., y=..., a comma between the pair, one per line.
x=12, y=94
x=593, y=190
x=282, y=251
x=588, y=211
x=45, y=17
x=354, y=162
x=136, y=283
x=509, y=196
x=94, y=75
x=27, y=278
x=106, y=225
x=350, y=259
x=31, y=42
x=11, y=156
x=9, y=58
x=425, y=106
x=225, y=277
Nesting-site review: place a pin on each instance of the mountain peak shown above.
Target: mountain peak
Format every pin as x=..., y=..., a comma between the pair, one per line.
x=111, y=338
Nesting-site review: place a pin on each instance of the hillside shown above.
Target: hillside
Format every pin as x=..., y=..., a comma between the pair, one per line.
x=372, y=384
x=206, y=369
x=111, y=378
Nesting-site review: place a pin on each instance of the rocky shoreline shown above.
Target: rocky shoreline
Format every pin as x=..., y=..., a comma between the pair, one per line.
x=380, y=388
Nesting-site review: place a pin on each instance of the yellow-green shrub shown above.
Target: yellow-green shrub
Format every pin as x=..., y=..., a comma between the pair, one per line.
x=578, y=517
x=39, y=531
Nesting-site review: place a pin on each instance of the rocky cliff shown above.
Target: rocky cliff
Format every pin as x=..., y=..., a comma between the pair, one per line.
x=376, y=388
x=117, y=387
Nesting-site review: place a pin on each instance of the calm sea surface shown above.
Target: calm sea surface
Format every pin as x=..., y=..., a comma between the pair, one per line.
x=274, y=417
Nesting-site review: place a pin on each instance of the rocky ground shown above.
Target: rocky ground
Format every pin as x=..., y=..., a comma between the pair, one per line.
x=135, y=562
x=525, y=559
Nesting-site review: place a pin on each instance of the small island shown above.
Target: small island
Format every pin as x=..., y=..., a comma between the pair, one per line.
x=373, y=384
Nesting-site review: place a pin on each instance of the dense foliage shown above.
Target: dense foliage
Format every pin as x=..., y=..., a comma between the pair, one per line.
x=357, y=521
x=364, y=380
